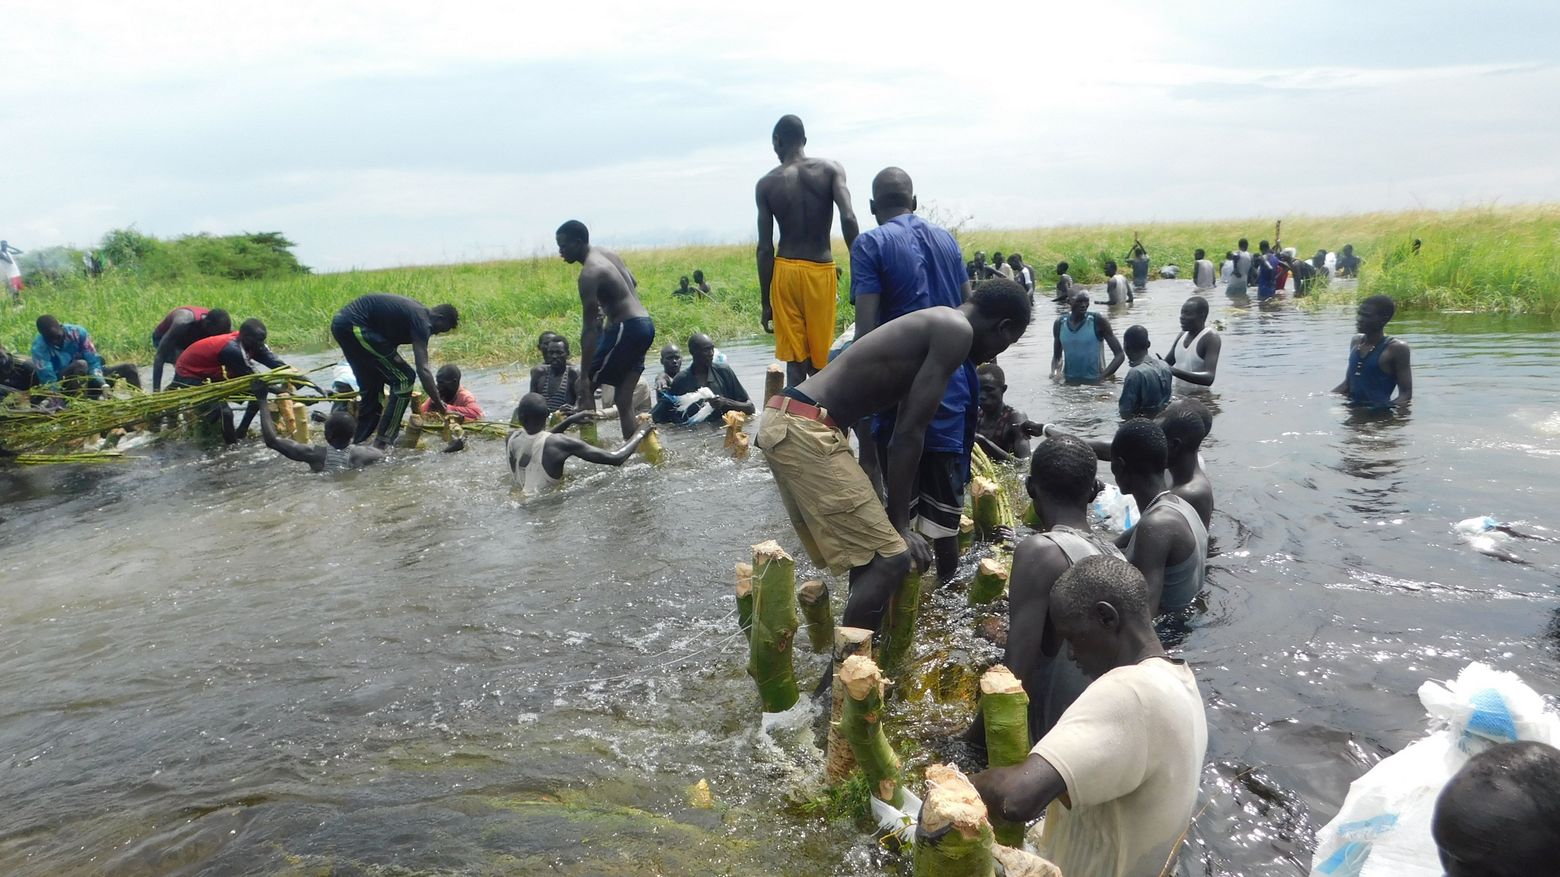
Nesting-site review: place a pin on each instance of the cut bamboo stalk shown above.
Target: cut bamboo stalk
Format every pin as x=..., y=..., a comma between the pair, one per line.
x=736, y=439
x=953, y=837
x=985, y=507
x=966, y=533
x=1004, y=709
x=745, y=599
x=899, y=626
x=991, y=578
x=300, y=430
x=774, y=381
x=651, y=446
x=861, y=724
x=816, y=608
x=411, y=437
x=774, y=627
x=838, y=760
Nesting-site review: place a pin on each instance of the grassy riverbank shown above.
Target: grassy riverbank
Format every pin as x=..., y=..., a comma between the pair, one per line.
x=1498, y=259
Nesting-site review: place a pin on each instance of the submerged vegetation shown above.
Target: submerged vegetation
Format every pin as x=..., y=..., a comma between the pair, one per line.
x=1489, y=259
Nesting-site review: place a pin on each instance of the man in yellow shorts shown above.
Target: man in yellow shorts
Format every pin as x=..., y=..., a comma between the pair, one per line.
x=798, y=285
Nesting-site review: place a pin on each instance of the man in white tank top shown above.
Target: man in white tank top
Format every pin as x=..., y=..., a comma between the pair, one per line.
x=1203, y=275
x=1194, y=355
x=536, y=454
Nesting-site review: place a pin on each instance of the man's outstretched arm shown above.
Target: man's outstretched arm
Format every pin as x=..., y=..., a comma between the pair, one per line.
x=766, y=259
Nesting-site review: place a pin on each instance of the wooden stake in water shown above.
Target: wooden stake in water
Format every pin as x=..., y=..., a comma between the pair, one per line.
x=966, y=533
x=985, y=507
x=1004, y=709
x=774, y=381
x=861, y=724
x=953, y=837
x=736, y=439
x=991, y=578
x=774, y=627
x=745, y=599
x=300, y=431
x=899, y=623
x=651, y=446
x=816, y=608
x=838, y=760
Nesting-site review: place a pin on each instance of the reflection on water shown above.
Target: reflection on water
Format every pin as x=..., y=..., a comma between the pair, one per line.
x=216, y=662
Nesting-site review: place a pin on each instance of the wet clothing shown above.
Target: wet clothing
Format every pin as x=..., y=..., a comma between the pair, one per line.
x=1186, y=355
x=1348, y=265
x=559, y=389
x=1058, y=681
x=191, y=330
x=938, y=501
x=1026, y=278
x=531, y=478
x=218, y=358
x=377, y=365
x=1083, y=353
x=1184, y=580
x=1202, y=274
x=620, y=351
x=394, y=319
x=1139, y=271
x=1146, y=389
x=1265, y=276
x=337, y=459
x=722, y=381
x=826, y=493
x=802, y=296
x=50, y=360
x=1117, y=290
x=1305, y=277
x=1368, y=384
x=465, y=405
x=1239, y=272
x=1131, y=751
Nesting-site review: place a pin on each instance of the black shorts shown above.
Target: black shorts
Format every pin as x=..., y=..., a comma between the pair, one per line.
x=620, y=351
x=938, y=503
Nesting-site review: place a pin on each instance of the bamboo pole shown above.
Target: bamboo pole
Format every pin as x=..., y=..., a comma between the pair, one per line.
x=819, y=612
x=411, y=437
x=991, y=578
x=736, y=440
x=861, y=724
x=651, y=446
x=985, y=508
x=953, y=837
x=966, y=533
x=899, y=626
x=774, y=627
x=774, y=381
x=745, y=599
x=1004, y=709
x=838, y=760
x=300, y=430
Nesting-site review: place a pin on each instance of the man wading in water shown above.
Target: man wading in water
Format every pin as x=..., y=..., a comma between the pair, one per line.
x=370, y=329
x=338, y=454
x=1194, y=354
x=616, y=353
x=906, y=363
x=537, y=454
x=798, y=287
x=1377, y=364
x=556, y=380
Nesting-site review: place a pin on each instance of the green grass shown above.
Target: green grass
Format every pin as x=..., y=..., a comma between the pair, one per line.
x=1489, y=259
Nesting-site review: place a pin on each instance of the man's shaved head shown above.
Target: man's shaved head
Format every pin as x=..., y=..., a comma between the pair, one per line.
x=892, y=188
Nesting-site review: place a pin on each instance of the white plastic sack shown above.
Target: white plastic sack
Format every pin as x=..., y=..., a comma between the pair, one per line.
x=688, y=400
x=1116, y=510
x=1383, y=829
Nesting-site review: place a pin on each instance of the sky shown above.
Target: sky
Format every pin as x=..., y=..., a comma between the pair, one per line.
x=377, y=134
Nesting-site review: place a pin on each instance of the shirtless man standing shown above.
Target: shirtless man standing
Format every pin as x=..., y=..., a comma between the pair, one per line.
x=798, y=284
x=615, y=353
x=905, y=363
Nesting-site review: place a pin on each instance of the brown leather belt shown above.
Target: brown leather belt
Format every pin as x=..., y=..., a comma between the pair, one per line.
x=787, y=405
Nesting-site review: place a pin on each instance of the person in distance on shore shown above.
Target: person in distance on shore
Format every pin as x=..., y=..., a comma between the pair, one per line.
x=220, y=357
x=1378, y=363
x=1169, y=543
x=699, y=284
x=1348, y=263
x=904, y=265
x=1145, y=391
x=907, y=364
x=1499, y=816
x=702, y=372
x=369, y=330
x=1126, y=757
x=556, y=379
x=797, y=283
x=1000, y=429
x=182, y=327
x=537, y=454
x=683, y=290
x=616, y=351
x=1194, y=354
x=975, y=269
x=1078, y=344
x=338, y=454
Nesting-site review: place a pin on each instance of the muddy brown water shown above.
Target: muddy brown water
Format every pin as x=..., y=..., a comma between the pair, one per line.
x=214, y=662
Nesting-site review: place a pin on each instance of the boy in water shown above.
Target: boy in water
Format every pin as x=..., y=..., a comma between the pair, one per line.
x=1146, y=389
x=456, y=399
x=1000, y=428
x=1064, y=283
x=338, y=454
x=537, y=454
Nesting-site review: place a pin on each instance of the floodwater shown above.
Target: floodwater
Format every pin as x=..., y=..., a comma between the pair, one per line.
x=214, y=662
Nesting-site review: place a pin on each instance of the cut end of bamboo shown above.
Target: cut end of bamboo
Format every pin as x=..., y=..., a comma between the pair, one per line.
x=951, y=800
x=982, y=486
x=1000, y=680
x=991, y=566
x=811, y=592
x=860, y=676
x=744, y=578
x=966, y=524
x=1017, y=863
x=850, y=641
x=765, y=552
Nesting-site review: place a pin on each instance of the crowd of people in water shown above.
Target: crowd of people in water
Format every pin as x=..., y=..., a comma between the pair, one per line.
x=870, y=446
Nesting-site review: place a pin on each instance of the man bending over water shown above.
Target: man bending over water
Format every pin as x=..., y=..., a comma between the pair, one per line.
x=906, y=363
x=370, y=331
x=615, y=353
x=1126, y=758
x=537, y=454
x=1378, y=363
x=338, y=454
x=182, y=327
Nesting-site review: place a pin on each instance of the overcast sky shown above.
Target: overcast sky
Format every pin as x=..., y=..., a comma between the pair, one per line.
x=388, y=133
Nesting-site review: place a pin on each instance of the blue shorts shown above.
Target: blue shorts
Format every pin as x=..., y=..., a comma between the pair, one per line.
x=620, y=352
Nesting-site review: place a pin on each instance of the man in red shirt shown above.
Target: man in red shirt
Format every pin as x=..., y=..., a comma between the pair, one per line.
x=220, y=357
x=182, y=327
x=456, y=399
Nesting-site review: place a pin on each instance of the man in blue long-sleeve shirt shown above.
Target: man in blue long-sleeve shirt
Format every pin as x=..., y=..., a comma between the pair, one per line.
x=66, y=358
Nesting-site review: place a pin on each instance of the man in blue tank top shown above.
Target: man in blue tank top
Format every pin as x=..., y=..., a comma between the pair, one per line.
x=1378, y=364
x=1078, y=335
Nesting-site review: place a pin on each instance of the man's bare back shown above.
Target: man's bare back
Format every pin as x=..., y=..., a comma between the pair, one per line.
x=606, y=280
x=800, y=196
x=882, y=369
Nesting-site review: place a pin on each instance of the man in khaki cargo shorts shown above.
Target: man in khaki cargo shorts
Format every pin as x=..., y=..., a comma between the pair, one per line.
x=905, y=363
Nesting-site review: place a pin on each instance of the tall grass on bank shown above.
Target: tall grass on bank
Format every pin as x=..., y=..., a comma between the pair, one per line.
x=1490, y=259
